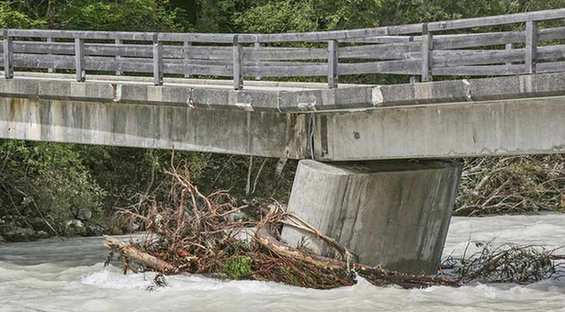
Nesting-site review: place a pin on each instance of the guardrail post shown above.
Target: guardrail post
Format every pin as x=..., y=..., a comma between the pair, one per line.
x=8, y=55
x=79, y=60
x=237, y=59
x=427, y=47
x=50, y=69
x=508, y=48
x=186, y=52
x=531, y=46
x=118, y=57
x=332, y=64
x=157, y=61
x=412, y=78
x=257, y=59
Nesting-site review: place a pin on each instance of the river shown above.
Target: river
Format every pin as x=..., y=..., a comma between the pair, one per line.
x=57, y=275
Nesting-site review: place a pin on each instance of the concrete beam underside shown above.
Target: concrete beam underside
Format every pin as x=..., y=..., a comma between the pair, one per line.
x=504, y=127
x=153, y=126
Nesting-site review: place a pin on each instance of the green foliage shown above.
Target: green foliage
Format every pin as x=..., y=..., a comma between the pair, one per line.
x=310, y=15
x=47, y=181
x=238, y=267
x=127, y=15
x=279, y=16
x=12, y=18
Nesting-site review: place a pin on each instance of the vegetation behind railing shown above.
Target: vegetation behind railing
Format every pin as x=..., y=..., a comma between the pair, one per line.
x=422, y=50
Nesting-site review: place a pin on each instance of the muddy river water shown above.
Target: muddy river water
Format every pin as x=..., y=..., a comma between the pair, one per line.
x=68, y=275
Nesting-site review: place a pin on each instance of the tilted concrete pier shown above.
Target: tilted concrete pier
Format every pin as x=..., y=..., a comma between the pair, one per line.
x=389, y=213
x=144, y=92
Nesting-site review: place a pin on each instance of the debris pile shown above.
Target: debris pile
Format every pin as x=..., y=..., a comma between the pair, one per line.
x=196, y=233
x=512, y=185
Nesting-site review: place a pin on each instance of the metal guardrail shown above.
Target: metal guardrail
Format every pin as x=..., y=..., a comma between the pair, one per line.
x=413, y=50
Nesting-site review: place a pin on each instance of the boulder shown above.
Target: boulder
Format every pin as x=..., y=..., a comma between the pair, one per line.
x=41, y=234
x=94, y=230
x=75, y=227
x=84, y=214
x=38, y=224
x=19, y=234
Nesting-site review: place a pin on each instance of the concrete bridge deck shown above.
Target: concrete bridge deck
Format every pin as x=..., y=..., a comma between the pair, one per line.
x=445, y=119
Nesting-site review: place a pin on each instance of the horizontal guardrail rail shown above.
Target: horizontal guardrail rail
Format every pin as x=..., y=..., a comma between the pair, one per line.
x=423, y=50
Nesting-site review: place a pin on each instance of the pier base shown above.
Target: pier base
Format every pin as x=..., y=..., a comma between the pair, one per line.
x=390, y=213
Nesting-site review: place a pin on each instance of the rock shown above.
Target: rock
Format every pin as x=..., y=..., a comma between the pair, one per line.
x=133, y=227
x=237, y=216
x=94, y=230
x=39, y=224
x=75, y=228
x=41, y=234
x=84, y=214
x=19, y=234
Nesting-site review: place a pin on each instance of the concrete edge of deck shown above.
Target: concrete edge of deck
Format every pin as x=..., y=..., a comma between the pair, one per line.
x=451, y=130
x=279, y=96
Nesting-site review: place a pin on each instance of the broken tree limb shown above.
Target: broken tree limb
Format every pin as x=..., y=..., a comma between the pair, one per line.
x=134, y=254
x=301, y=225
x=375, y=275
x=264, y=237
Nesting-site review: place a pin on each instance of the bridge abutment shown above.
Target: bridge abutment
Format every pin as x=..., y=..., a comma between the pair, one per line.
x=390, y=213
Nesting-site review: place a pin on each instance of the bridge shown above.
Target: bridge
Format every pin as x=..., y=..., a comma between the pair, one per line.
x=470, y=87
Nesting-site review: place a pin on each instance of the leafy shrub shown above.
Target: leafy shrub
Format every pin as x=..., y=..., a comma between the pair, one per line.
x=46, y=181
x=238, y=267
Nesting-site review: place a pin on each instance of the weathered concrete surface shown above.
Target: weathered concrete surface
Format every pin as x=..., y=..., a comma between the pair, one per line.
x=291, y=97
x=193, y=93
x=459, y=118
x=153, y=126
x=390, y=213
x=505, y=127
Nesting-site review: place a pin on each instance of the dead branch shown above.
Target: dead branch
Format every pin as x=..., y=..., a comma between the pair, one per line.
x=132, y=253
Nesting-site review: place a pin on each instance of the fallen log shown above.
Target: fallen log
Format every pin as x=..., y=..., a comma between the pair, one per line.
x=375, y=275
x=264, y=237
x=134, y=254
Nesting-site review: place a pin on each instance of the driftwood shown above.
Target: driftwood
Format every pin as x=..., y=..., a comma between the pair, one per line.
x=197, y=234
x=512, y=185
x=132, y=253
x=375, y=275
x=264, y=237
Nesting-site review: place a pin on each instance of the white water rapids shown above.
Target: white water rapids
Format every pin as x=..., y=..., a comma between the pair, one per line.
x=56, y=275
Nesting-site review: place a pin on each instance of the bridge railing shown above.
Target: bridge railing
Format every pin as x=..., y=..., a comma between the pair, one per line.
x=423, y=50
